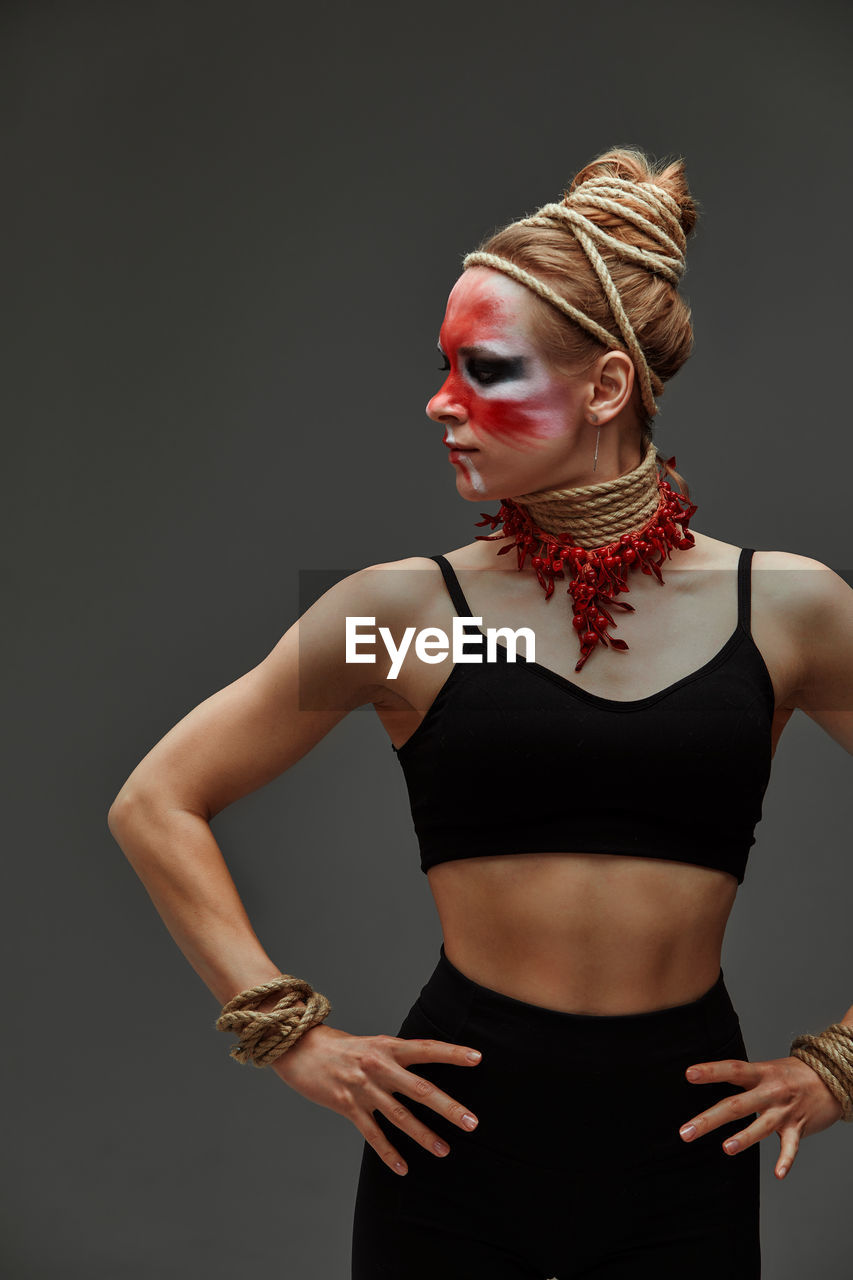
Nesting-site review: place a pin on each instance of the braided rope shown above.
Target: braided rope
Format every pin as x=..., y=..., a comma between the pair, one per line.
x=609, y=195
x=655, y=199
x=265, y=1036
x=830, y=1054
x=597, y=514
x=619, y=313
x=669, y=265
x=545, y=291
x=653, y=196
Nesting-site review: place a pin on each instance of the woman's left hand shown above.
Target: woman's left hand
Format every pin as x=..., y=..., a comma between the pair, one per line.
x=790, y=1098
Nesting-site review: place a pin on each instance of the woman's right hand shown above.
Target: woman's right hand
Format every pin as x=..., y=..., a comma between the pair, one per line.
x=357, y=1075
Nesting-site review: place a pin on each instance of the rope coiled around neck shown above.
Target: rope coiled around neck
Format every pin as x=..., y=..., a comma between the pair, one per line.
x=597, y=514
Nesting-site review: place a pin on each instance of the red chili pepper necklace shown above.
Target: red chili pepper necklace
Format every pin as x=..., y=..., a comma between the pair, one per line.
x=597, y=574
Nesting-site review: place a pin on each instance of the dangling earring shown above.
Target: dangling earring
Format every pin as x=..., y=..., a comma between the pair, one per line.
x=594, y=417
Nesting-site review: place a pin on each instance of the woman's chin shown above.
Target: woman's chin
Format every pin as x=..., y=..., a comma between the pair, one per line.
x=472, y=489
x=471, y=485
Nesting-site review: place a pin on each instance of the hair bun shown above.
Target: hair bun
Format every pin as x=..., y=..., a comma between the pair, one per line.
x=606, y=263
x=630, y=165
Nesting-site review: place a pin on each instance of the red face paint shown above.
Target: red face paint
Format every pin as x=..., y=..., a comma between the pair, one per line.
x=503, y=391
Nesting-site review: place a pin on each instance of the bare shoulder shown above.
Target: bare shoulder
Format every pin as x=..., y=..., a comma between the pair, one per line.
x=788, y=560
x=794, y=593
x=801, y=585
x=810, y=607
x=815, y=606
x=399, y=590
x=783, y=576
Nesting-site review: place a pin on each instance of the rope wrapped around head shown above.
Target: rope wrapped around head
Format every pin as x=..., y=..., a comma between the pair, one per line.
x=609, y=194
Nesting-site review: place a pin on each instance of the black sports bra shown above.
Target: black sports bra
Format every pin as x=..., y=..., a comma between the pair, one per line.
x=513, y=758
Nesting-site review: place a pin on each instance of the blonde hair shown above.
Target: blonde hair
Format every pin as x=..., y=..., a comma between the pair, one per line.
x=606, y=262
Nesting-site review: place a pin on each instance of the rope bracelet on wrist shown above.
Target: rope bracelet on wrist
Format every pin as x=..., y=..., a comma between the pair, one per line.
x=265, y=1035
x=830, y=1054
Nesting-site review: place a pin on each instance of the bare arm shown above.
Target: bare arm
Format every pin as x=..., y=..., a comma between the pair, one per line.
x=233, y=743
x=788, y=1097
x=824, y=620
x=826, y=684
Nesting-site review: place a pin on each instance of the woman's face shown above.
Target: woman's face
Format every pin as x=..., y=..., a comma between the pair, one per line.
x=502, y=401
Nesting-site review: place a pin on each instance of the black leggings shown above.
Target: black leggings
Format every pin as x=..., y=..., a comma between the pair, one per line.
x=576, y=1168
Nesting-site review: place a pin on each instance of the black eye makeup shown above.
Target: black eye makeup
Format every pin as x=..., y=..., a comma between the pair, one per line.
x=489, y=370
x=484, y=369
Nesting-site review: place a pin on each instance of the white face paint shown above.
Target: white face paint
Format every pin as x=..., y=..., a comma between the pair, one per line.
x=497, y=375
x=474, y=476
x=465, y=460
x=502, y=399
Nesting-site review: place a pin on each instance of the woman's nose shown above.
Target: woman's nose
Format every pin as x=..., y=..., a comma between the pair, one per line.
x=445, y=407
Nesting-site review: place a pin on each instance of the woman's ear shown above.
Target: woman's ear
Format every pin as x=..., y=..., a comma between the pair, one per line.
x=611, y=381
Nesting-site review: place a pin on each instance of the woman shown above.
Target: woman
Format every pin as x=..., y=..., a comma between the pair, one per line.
x=584, y=812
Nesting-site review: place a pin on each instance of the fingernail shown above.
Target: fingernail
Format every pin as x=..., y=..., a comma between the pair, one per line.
x=474, y=1055
x=399, y=1166
x=732, y=1145
x=470, y=1122
x=693, y=1073
x=687, y=1131
x=783, y=1169
x=441, y=1147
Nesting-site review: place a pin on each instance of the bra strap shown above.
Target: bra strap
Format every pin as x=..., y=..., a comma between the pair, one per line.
x=451, y=581
x=744, y=588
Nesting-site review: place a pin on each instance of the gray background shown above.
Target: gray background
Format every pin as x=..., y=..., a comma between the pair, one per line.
x=230, y=231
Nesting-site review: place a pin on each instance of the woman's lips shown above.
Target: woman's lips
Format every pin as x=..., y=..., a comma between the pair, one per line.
x=457, y=454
